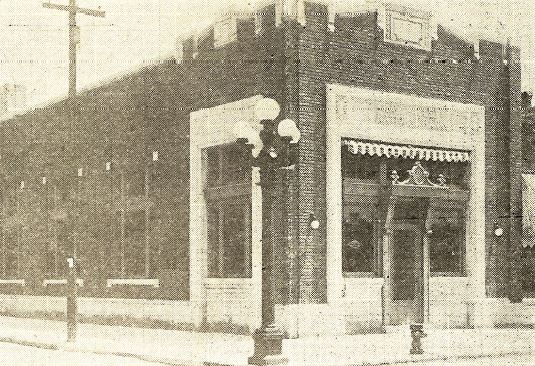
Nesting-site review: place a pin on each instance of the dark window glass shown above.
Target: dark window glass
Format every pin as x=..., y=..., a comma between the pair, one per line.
x=359, y=238
x=410, y=210
x=402, y=265
x=227, y=164
x=50, y=261
x=134, y=250
x=63, y=248
x=362, y=167
x=527, y=273
x=229, y=240
x=447, y=240
x=213, y=167
x=229, y=215
x=10, y=203
x=113, y=262
x=135, y=185
x=235, y=165
x=235, y=240
x=11, y=248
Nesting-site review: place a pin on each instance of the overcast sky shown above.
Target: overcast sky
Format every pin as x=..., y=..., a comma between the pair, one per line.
x=33, y=40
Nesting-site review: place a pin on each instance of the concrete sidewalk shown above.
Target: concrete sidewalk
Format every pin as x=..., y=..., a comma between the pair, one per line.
x=193, y=348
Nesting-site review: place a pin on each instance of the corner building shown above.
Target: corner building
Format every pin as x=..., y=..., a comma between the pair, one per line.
x=410, y=158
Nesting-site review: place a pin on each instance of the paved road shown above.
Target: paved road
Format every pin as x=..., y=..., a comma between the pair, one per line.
x=528, y=360
x=15, y=355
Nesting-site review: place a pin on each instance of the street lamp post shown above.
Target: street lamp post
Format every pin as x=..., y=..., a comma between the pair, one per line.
x=277, y=147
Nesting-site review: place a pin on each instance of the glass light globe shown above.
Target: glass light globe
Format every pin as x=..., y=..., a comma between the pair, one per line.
x=243, y=130
x=287, y=128
x=267, y=108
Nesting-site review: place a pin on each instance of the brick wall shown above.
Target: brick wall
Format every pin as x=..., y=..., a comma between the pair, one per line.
x=354, y=55
x=124, y=121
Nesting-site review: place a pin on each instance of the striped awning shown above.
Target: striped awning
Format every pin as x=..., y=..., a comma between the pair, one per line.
x=528, y=210
x=404, y=151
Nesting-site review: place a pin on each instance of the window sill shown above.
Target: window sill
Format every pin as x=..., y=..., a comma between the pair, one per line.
x=13, y=282
x=63, y=281
x=448, y=274
x=153, y=282
x=215, y=283
x=361, y=275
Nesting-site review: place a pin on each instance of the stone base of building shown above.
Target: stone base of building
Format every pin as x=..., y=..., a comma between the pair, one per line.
x=138, y=312
x=295, y=320
x=500, y=312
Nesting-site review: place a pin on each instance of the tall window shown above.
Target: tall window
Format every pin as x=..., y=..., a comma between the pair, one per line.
x=134, y=250
x=447, y=239
x=228, y=201
x=59, y=249
x=359, y=231
x=11, y=254
x=360, y=239
x=135, y=184
x=11, y=235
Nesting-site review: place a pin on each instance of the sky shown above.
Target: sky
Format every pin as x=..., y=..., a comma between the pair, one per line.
x=34, y=49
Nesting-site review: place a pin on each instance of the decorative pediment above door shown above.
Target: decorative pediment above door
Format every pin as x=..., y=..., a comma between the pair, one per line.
x=418, y=176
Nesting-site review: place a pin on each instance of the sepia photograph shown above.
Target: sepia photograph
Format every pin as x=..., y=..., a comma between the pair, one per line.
x=267, y=182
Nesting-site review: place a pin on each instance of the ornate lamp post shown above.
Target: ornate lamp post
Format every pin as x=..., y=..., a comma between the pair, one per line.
x=273, y=149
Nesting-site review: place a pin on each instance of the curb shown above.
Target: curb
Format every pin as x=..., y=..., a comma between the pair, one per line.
x=75, y=348
x=443, y=358
x=69, y=347
x=36, y=344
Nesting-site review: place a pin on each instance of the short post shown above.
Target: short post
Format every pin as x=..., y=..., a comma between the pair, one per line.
x=72, y=292
x=417, y=333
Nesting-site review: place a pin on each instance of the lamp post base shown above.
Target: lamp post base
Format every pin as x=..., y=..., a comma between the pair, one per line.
x=268, y=347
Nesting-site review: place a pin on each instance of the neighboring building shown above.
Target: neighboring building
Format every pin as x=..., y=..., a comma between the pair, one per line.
x=148, y=182
x=12, y=98
x=527, y=253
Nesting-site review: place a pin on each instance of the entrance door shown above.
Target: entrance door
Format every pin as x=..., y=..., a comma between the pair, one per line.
x=405, y=273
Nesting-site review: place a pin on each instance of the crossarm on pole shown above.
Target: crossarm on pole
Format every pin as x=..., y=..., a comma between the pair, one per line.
x=76, y=9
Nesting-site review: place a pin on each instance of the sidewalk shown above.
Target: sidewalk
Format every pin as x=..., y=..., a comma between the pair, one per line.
x=192, y=348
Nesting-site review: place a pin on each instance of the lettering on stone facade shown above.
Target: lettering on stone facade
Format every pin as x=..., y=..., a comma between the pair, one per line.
x=408, y=115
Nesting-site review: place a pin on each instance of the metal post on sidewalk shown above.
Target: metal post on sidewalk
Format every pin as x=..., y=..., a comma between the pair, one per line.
x=72, y=293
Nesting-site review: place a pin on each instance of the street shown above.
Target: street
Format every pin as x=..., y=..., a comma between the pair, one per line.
x=513, y=360
x=16, y=355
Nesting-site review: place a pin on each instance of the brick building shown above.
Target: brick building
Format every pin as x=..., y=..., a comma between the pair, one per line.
x=527, y=254
x=144, y=179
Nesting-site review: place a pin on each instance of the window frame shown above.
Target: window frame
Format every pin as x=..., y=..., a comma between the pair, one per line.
x=460, y=207
x=353, y=187
x=221, y=193
x=353, y=190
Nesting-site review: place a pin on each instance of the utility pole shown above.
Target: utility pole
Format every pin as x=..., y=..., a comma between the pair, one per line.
x=74, y=39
